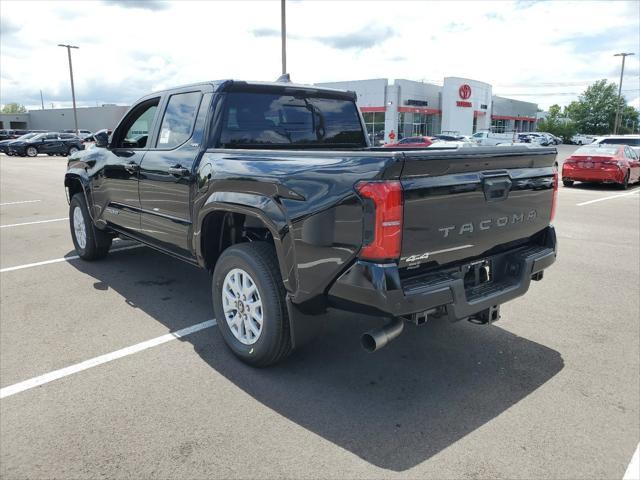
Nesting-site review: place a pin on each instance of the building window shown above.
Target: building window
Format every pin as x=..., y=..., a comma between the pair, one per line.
x=374, y=122
x=499, y=126
x=415, y=124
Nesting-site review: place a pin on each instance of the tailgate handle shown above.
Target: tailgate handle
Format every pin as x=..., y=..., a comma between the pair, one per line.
x=496, y=189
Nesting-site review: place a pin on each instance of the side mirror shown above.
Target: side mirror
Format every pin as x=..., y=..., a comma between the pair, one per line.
x=102, y=138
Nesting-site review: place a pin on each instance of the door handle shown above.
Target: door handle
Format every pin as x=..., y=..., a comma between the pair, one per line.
x=131, y=167
x=178, y=171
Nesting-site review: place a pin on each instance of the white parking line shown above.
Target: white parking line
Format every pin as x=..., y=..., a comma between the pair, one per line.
x=16, y=203
x=57, y=260
x=633, y=469
x=610, y=197
x=34, y=223
x=109, y=357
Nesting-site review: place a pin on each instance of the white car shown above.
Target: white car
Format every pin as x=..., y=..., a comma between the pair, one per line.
x=580, y=139
x=491, y=138
x=632, y=140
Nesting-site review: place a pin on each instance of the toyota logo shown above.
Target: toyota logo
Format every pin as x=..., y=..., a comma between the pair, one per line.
x=464, y=91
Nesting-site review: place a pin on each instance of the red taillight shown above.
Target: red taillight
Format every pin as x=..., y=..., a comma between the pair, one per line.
x=554, y=201
x=383, y=219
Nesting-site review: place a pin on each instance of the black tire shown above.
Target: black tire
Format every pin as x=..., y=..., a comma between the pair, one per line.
x=567, y=183
x=625, y=184
x=50, y=154
x=259, y=260
x=97, y=242
x=31, y=152
x=72, y=150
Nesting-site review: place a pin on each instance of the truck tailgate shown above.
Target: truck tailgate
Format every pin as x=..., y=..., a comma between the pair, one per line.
x=465, y=203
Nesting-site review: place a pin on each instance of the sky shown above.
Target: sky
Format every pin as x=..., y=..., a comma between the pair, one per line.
x=544, y=52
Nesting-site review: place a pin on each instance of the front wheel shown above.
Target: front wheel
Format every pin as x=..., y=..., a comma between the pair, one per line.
x=32, y=152
x=567, y=183
x=249, y=303
x=90, y=243
x=73, y=150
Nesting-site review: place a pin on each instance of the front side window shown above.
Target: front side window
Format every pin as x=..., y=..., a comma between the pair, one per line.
x=138, y=125
x=178, y=119
x=263, y=120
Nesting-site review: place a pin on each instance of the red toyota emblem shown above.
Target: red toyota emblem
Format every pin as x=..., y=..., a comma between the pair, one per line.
x=464, y=91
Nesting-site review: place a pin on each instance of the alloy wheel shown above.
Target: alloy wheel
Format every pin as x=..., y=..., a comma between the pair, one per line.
x=242, y=306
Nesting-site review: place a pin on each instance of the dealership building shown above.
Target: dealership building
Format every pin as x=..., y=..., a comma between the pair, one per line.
x=462, y=106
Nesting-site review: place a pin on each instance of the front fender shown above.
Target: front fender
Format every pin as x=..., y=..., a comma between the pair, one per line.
x=79, y=175
x=268, y=211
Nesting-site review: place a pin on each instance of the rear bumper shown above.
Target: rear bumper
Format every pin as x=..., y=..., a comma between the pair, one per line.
x=377, y=289
x=613, y=175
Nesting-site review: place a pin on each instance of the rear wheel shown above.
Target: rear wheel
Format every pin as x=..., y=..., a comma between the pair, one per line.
x=625, y=184
x=32, y=152
x=567, y=183
x=249, y=303
x=90, y=243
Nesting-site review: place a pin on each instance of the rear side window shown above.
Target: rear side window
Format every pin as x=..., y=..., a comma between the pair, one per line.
x=178, y=119
x=263, y=120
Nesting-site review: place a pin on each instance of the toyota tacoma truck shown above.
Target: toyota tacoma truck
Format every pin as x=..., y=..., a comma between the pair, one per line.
x=276, y=190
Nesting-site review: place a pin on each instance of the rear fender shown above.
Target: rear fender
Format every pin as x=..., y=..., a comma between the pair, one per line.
x=264, y=208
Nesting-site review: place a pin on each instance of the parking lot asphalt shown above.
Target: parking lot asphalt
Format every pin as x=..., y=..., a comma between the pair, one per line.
x=551, y=390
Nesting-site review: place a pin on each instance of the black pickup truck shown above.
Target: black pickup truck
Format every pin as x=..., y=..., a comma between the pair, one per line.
x=275, y=189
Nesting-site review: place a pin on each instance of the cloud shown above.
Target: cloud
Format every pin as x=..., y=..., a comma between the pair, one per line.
x=265, y=32
x=368, y=37
x=153, y=5
x=7, y=27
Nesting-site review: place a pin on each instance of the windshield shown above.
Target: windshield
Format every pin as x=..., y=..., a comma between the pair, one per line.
x=37, y=136
x=27, y=136
x=260, y=120
x=590, y=150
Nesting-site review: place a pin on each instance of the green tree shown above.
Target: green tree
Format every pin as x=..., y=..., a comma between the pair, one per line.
x=13, y=108
x=557, y=124
x=595, y=110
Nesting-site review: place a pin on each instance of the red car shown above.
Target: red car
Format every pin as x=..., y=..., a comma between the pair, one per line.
x=411, y=142
x=603, y=164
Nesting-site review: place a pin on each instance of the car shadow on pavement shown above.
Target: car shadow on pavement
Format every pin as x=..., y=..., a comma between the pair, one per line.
x=394, y=408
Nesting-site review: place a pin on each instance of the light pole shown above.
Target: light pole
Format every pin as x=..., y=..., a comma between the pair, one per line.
x=73, y=90
x=624, y=56
x=283, y=32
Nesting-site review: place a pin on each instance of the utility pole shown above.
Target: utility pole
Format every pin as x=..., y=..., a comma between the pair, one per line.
x=41, y=100
x=283, y=32
x=73, y=91
x=624, y=56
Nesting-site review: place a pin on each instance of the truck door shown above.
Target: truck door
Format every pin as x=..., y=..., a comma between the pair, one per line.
x=117, y=189
x=167, y=179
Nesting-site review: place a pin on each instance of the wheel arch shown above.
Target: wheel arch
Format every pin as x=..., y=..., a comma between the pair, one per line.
x=228, y=218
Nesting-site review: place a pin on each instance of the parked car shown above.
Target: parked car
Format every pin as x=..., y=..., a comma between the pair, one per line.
x=632, y=140
x=81, y=133
x=4, y=144
x=51, y=143
x=292, y=218
x=492, y=138
x=579, y=139
x=618, y=164
x=411, y=142
x=448, y=138
x=8, y=135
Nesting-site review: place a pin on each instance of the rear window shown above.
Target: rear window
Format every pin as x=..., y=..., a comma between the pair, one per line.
x=263, y=120
x=591, y=150
x=621, y=141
